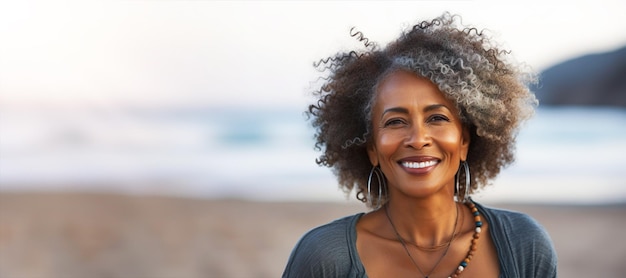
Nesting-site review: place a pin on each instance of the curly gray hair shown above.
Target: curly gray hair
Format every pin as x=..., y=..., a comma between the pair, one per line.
x=490, y=92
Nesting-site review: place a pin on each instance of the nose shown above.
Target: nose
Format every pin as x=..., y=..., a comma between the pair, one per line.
x=418, y=137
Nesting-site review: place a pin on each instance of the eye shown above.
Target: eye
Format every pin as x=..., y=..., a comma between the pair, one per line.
x=438, y=118
x=394, y=122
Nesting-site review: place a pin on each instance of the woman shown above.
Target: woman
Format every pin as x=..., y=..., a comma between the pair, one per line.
x=414, y=129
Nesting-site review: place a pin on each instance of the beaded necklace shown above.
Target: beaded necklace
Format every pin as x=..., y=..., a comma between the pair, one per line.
x=470, y=254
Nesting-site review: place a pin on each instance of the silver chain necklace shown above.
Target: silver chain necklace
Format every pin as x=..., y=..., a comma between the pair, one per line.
x=406, y=249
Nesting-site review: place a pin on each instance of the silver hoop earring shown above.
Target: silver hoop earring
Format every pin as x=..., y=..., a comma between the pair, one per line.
x=381, y=187
x=463, y=195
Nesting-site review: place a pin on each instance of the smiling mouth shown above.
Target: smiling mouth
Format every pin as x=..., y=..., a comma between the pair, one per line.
x=419, y=165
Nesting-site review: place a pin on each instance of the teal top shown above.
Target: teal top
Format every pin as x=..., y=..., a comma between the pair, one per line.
x=524, y=248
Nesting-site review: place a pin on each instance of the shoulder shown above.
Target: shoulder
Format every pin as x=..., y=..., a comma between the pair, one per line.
x=517, y=225
x=523, y=239
x=331, y=237
x=325, y=251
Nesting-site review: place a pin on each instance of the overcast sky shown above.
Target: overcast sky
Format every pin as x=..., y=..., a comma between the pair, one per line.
x=156, y=53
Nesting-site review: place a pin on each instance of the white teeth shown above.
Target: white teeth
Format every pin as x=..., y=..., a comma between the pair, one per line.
x=417, y=165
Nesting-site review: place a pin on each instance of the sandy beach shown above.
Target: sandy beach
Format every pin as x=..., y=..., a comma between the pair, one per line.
x=75, y=235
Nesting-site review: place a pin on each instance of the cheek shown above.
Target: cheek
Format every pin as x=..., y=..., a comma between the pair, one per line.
x=388, y=142
x=450, y=141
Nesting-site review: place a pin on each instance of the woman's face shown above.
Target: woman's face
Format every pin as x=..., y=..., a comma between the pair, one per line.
x=419, y=139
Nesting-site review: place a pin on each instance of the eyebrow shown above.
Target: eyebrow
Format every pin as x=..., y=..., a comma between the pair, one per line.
x=406, y=111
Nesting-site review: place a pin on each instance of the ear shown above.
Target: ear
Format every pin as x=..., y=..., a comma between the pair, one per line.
x=465, y=142
x=372, y=153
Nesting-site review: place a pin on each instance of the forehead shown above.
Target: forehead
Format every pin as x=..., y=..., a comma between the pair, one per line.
x=402, y=88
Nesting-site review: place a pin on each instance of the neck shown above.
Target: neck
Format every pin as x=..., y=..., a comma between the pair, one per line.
x=428, y=222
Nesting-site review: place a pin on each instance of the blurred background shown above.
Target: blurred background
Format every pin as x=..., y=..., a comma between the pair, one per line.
x=167, y=138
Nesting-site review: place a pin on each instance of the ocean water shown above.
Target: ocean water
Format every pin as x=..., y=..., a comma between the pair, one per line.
x=564, y=155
